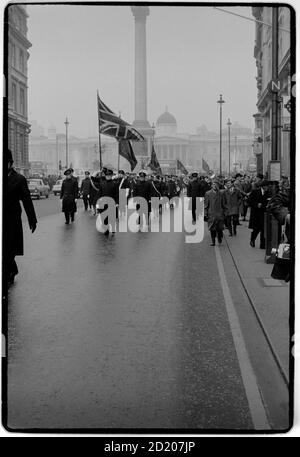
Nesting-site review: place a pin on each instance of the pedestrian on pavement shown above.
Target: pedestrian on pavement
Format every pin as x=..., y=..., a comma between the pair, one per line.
x=85, y=190
x=233, y=201
x=258, y=200
x=15, y=190
x=246, y=189
x=215, y=209
x=69, y=195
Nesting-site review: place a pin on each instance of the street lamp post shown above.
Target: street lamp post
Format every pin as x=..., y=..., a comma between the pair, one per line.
x=229, y=124
x=235, y=154
x=66, y=124
x=153, y=134
x=221, y=101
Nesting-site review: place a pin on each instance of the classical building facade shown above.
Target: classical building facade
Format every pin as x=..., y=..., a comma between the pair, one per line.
x=263, y=57
x=190, y=149
x=18, y=126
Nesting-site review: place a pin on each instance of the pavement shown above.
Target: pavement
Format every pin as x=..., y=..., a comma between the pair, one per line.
x=269, y=297
x=142, y=331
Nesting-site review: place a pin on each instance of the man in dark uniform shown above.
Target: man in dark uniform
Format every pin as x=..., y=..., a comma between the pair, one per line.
x=108, y=188
x=143, y=188
x=171, y=188
x=258, y=200
x=69, y=195
x=194, y=190
x=85, y=190
x=16, y=190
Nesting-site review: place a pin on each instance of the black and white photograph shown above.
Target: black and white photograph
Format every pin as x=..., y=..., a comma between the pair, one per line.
x=148, y=222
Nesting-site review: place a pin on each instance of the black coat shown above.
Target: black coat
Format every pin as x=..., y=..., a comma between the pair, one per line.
x=85, y=186
x=194, y=189
x=142, y=189
x=109, y=189
x=16, y=190
x=68, y=194
x=256, y=221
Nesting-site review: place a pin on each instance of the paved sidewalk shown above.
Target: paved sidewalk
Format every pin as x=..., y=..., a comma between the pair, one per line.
x=269, y=297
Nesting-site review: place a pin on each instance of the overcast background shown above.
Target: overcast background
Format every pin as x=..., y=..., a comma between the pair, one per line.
x=193, y=55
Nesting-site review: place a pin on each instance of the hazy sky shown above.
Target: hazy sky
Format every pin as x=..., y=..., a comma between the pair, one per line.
x=193, y=55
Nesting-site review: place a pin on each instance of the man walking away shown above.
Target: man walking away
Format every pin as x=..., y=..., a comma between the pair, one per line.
x=257, y=201
x=15, y=190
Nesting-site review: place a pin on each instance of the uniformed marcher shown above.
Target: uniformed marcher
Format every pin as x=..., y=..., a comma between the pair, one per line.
x=108, y=188
x=16, y=190
x=69, y=195
x=215, y=209
x=143, y=188
x=85, y=190
x=194, y=191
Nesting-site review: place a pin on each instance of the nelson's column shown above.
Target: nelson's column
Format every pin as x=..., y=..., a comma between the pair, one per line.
x=141, y=149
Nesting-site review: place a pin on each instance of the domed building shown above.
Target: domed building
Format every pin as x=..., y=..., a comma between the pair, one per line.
x=166, y=124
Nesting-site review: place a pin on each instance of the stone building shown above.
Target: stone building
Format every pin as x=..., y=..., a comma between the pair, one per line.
x=190, y=149
x=263, y=57
x=17, y=81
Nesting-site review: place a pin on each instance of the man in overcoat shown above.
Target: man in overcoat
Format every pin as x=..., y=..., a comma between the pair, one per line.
x=143, y=188
x=258, y=200
x=194, y=190
x=15, y=190
x=233, y=200
x=69, y=195
x=108, y=187
x=215, y=208
x=85, y=190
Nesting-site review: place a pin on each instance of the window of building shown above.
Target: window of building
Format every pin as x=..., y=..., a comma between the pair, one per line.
x=22, y=62
x=21, y=149
x=22, y=101
x=13, y=54
x=14, y=96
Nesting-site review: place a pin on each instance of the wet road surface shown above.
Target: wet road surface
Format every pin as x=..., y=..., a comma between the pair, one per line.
x=129, y=331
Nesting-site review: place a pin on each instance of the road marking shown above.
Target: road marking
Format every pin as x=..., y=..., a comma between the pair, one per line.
x=256, y=407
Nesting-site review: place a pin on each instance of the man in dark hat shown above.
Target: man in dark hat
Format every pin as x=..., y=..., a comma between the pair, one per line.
x=15, y=190
x=85, y=190
x=215, y=208
x=69, y=195
x=258, y=200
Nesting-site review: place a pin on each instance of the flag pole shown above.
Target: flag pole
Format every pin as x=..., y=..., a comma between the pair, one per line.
x=118, y=156
x=100, y=148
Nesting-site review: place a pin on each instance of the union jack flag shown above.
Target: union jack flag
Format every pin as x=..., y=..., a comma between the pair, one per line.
x=112, y=125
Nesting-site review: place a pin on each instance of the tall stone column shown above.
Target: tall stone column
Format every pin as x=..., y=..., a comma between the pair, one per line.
x=140, y=14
